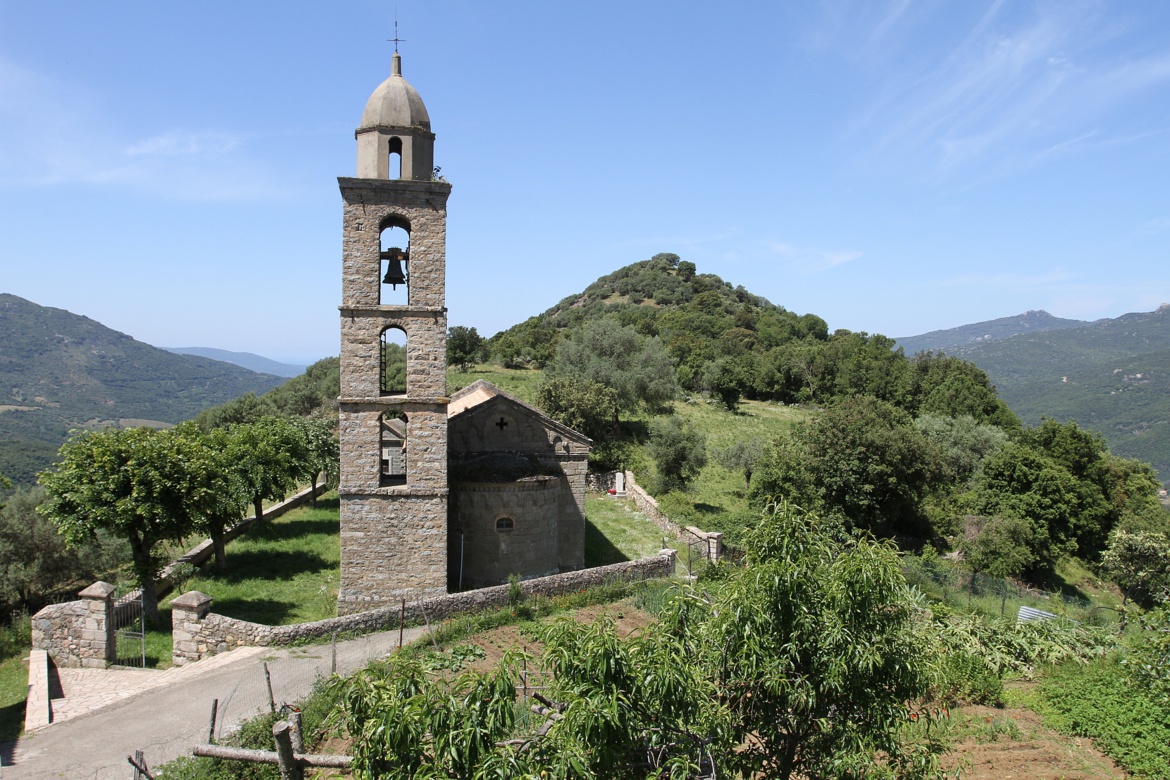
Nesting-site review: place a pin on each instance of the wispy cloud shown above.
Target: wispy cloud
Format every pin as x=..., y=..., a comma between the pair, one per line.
x=57, y=134
x=811, y=259
x=1022, y=84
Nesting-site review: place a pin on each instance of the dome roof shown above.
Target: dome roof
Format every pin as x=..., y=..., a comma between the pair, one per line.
x=395, y=103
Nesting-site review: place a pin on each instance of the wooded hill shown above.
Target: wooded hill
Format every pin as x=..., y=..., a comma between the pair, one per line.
x=60, y=371
x=1112, y=375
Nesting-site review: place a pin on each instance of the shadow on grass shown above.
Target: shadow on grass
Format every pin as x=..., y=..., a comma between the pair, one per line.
x=11, y=723
x=269, y=612
x=294, y=529
x=271, y=565
x=709, y=509
x=600, y=551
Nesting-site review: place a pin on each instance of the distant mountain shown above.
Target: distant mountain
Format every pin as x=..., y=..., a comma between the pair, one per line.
x=60, y=371
x=257, y=363
x=952, y=339
x=1112, y=376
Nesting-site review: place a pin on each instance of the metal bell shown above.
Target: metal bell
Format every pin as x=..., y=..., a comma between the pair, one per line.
x=394, y=273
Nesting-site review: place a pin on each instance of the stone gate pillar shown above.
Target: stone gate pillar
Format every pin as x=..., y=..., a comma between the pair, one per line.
x=97, y=646
x=187, y=614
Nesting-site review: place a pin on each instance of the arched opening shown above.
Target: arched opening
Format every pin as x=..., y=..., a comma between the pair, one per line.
x=505, y=525
x=393, y=360
x=393, y=445
x=395, y=265
x=394, y=158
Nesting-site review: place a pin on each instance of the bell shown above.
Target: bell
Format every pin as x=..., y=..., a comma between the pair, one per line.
x=394, y=273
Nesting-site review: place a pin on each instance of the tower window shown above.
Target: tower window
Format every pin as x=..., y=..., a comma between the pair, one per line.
x=394, y=266
x=394, y=427
x=504, y=525
x=394, y=158
x=393, y=362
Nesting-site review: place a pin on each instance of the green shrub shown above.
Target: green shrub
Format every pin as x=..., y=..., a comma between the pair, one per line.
x=1124, y=719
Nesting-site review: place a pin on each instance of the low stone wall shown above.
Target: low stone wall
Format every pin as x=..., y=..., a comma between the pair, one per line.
x=199, y=633
x=648, y=506
x=78, y=633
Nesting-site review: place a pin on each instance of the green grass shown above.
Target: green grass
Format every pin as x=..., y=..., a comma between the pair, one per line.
x=615, y=531
x=15, y=641
x=520, y=382
x=283, y=571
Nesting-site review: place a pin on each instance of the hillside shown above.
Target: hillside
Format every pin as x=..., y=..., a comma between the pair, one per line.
x=248, y=360
x=1111, y=375
x=953, y=339
x=60, y=371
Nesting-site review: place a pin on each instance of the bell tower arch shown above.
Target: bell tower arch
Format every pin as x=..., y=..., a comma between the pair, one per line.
x=393, y=472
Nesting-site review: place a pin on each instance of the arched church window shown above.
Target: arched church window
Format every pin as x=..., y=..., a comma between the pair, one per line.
x=394, y=158
x=393, y=361
x=394, y=265
x=504, y=525
x=393, y=426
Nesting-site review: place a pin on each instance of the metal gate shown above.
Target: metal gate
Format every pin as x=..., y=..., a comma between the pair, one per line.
x=130, y=630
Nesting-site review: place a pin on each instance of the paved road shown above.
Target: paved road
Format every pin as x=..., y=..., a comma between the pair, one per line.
x=165, y=721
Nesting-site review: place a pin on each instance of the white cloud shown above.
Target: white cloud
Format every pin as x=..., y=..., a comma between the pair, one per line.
x=56, y=133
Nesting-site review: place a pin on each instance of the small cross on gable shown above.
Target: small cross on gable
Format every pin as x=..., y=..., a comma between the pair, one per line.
x=502, y=424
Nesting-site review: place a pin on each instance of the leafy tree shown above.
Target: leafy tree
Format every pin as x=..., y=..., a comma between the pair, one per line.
x=817, y=648
x=34, y=560
x=134, y=483
x=723, y=379
x=464, y=347
x=1004, y=548
x=742, y=455
x=1139, y=564
x=322, y=452
x=210, y=464
x=1020, y=482
x=393, y=367
x=860, y=459
x=679, y=452
x=584, y=406
x=962, y=441
x=270, y=456
x=604, y=352
x=952, y=387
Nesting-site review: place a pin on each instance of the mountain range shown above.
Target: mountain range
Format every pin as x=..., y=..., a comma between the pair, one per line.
x=61, y=371
x=248, y=360
x=1110, y=375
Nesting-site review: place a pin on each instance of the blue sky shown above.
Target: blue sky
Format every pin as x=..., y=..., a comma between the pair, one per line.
x=170, y=169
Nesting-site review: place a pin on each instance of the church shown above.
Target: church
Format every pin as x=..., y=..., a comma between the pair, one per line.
x=438, y=494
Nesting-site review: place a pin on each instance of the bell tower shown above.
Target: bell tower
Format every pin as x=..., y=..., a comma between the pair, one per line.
x=393, y=403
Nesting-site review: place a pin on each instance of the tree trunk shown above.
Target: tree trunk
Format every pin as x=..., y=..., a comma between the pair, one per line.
x=313, y=493
x=258, y=503
x=218, y=544
x=144, y=569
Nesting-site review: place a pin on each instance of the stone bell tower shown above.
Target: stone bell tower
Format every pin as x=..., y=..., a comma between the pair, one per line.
x=393, y=404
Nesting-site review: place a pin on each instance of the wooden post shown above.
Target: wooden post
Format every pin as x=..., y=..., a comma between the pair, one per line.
x=401, y=622
x=285, y=759
x=268, y=680
x=333, y=656
x=298, y=735
x=211, y=728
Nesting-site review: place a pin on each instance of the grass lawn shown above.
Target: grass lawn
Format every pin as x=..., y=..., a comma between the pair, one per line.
x=281, y=572
x=615, y=531
x=520, y=382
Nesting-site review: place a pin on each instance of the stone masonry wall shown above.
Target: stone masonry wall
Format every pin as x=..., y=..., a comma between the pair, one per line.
x=199, y=633
x=78, y=633
x=648, y=506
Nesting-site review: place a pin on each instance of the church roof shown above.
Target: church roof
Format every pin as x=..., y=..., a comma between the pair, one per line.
x=481, y=391
x=395, y=103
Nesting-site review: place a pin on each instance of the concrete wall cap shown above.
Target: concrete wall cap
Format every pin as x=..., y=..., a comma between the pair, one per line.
x=99, y=590
x=191, y=600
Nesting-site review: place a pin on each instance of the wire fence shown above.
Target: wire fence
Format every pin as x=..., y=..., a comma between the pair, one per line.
x=996, y=596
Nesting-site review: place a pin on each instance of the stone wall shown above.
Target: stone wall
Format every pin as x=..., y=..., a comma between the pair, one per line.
x=712, y=541
x=199, y=633
x=78, y=633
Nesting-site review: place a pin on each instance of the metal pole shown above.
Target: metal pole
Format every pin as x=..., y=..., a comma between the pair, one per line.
x=211, y=728
x=461, y=548
x=268, y=680
x=401, y=623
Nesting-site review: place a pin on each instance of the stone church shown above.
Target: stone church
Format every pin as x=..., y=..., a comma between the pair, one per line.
x=437, y=494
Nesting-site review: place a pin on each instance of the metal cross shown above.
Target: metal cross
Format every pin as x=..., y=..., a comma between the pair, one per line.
x=396, y=40
x=502, y=424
